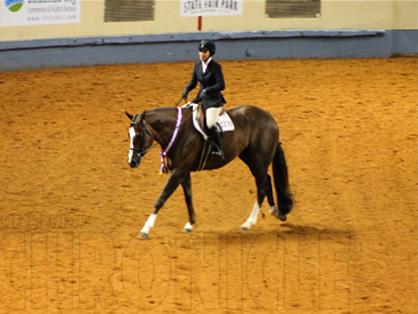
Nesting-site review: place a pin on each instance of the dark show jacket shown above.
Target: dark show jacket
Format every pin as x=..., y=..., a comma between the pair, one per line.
x=212, y=81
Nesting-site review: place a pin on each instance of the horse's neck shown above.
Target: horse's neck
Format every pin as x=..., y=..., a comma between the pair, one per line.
x=163, y=122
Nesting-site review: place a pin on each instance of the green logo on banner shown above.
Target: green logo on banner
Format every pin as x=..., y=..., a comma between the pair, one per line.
x=14, y=5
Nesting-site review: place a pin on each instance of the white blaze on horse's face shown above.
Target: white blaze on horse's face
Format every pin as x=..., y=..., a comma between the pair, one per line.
x=132, y=134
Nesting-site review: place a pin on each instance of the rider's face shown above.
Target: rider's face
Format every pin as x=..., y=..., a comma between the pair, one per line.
x=204, y=55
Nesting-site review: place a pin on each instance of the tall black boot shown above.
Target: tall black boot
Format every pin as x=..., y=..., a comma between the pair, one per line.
x=215, y=137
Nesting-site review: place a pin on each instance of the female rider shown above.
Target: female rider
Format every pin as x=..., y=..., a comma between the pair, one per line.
x=209, y=74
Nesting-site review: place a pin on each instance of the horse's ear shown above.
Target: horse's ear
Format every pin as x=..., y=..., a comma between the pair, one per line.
x=130, y=116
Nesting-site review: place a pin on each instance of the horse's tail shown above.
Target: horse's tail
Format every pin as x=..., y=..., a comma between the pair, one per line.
x=281, y=182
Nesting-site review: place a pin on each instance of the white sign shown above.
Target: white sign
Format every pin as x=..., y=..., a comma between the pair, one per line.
x=37, y=12
x=210, y=7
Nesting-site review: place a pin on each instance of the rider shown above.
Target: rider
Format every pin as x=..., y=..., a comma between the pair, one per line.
x=209, y=74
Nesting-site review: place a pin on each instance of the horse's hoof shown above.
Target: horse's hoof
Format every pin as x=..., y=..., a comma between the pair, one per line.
x=144, y=236
x=188, y=227
x=273, y=210
x=282, y=217
x=245, y=227
x=279, y=215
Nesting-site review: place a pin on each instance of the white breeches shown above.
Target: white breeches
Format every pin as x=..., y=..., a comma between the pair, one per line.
x=212, y=115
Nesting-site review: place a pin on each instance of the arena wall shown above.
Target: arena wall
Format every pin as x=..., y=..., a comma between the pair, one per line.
x=353, y=28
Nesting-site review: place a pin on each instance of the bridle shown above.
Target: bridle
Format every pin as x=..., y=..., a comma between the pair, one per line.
x=139, y=119
x=141, y=152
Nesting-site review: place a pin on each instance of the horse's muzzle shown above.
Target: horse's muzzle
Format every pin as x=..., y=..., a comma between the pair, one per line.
x=134, y=162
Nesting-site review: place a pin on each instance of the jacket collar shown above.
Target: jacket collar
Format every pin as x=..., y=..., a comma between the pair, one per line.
x=205, y=65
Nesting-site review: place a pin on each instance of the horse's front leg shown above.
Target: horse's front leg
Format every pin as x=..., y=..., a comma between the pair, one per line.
x=176, y=177
x=187, y=189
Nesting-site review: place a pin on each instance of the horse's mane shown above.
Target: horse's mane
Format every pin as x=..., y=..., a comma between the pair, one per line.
x=162, y=109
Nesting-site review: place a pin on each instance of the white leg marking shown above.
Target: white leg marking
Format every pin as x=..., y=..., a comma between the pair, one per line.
x=272, y=209
x=132, y=134
x=149, y=224
x=188, y=227
x=252, y=219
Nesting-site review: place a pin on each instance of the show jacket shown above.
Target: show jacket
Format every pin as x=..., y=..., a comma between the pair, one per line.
x=212, y=81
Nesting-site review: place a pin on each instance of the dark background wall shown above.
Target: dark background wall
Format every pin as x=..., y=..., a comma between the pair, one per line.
x=89, y=51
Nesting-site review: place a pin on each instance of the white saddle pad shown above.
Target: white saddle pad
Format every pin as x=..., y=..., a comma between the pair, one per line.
x=224, y=123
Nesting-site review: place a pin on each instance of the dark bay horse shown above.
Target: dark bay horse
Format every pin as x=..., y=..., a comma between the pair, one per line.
x=255, y=141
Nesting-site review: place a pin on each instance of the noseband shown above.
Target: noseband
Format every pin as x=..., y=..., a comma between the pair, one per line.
x=139, y=152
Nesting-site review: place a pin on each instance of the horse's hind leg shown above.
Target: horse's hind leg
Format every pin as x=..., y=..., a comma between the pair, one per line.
x=261, y=179
x=270, y=197
x=187, y=189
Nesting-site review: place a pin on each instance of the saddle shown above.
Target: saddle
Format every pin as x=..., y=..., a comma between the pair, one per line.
x=224, y=123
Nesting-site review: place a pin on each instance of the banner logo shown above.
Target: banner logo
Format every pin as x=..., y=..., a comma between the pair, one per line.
x=14, y=5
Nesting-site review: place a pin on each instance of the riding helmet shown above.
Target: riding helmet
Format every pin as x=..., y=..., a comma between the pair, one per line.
x=207, y=45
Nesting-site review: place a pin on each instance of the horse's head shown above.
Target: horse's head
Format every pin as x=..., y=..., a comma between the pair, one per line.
x=140, y=138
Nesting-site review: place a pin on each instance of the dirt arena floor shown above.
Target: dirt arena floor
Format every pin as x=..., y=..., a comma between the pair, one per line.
x=71, y=208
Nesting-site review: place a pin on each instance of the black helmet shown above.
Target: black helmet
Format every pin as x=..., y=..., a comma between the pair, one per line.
x=207, y=45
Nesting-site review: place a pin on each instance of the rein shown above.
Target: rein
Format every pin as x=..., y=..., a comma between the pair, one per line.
x=163, y=154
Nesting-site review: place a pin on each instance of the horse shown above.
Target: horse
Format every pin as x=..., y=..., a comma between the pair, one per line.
x=255, y=141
